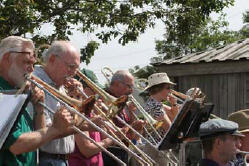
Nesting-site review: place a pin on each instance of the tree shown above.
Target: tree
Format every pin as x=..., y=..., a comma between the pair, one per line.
x=244, y=32
x=144, y=72
x=214, y=34
x=209, y=34
x=107, y=19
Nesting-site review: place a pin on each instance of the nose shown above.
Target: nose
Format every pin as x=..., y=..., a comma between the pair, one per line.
x=130, y=90
x=72, y=72
x=31, y=63
x=238, y=143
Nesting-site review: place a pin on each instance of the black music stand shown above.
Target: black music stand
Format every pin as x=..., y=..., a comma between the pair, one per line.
x=11, y=106
x=186, y=123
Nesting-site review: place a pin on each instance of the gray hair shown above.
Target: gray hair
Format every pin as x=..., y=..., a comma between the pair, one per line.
x=120, y=75
x=58, y=48
x=12, y=43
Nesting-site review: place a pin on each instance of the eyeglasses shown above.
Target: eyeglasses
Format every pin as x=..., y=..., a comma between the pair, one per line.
x=128, y=85
x=23, y=52
x=69, y=66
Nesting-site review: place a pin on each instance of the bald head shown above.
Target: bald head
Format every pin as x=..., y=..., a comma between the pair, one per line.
x=60, y=48
x=121, y=75
x=122, y=83
x=62, y=61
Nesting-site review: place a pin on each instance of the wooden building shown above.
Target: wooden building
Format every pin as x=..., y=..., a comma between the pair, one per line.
x=221, y=73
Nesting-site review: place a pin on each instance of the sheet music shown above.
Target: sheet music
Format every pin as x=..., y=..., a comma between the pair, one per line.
x=10, y=106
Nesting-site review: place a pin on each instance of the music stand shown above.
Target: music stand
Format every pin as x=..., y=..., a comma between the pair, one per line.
x=186, y=123
x=11, y=106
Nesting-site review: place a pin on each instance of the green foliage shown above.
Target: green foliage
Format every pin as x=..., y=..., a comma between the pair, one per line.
x=207, y=34
x=107, y=19
x=144, y=72
x=246, y=17
x=214, y=34
x=88, y=51
x=245, y=29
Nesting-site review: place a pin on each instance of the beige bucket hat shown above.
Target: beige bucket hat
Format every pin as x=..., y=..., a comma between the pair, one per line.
x=242, y=118
x=158, y=78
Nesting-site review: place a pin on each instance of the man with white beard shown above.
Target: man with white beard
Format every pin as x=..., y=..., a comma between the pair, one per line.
x=16, y=60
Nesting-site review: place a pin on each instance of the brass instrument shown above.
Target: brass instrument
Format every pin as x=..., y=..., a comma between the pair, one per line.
x=108, y=73
x=15, y=91
x=244, y=154
x=71, y=101
x=108, y=101
x=59, y=98
x=114, y=105
x=153, y=125
x=179, y=95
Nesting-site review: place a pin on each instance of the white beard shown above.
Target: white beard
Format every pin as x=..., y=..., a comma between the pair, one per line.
x=16, y=75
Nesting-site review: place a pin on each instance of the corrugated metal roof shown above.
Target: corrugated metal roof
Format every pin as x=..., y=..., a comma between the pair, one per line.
x=235, y=51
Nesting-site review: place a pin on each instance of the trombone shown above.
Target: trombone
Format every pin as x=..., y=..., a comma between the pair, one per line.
x=16, y=92
x=43, y=86
x=108, y=73
x=142, y=83
x=112, y=100
x=153, y=124
x=244, y=155
x=147, y=117
x=114, y=106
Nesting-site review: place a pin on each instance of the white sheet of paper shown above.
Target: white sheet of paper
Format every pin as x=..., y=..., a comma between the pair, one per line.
x=10, y=106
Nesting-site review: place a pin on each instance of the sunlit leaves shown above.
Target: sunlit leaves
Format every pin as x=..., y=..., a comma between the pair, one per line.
x=106, y=19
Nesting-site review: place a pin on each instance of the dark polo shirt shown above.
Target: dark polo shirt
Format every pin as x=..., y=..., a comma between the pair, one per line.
x=207, y=162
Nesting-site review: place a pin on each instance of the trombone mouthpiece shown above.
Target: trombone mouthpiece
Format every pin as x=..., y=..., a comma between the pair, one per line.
x=27, y=76
x=242, y=152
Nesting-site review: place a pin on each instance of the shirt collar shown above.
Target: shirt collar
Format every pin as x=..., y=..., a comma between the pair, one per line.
x=208, y=162
x=155, y=101
x=5, y=84
x=40, y=72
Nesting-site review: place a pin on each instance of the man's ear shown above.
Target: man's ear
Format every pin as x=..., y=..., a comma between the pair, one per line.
x=6, y=60
x=218, y=142
x=52, y=58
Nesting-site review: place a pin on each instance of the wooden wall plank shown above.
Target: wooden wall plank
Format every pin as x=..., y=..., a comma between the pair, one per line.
x=205, y=68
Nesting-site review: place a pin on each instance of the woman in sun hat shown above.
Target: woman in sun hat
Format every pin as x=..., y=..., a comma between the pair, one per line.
x=159, y=91
x=158, y=88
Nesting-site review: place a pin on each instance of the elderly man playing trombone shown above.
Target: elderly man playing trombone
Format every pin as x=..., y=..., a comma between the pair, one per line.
x=122, y=83
x=16, y=60
x=61, y=63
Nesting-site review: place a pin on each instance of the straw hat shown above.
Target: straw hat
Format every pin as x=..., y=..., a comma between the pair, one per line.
x=158, y=78
x=242, y=118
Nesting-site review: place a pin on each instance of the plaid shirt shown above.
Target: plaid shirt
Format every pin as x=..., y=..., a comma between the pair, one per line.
x=155, y=109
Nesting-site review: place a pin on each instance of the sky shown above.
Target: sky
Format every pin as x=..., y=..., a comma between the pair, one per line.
x=139, y=53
